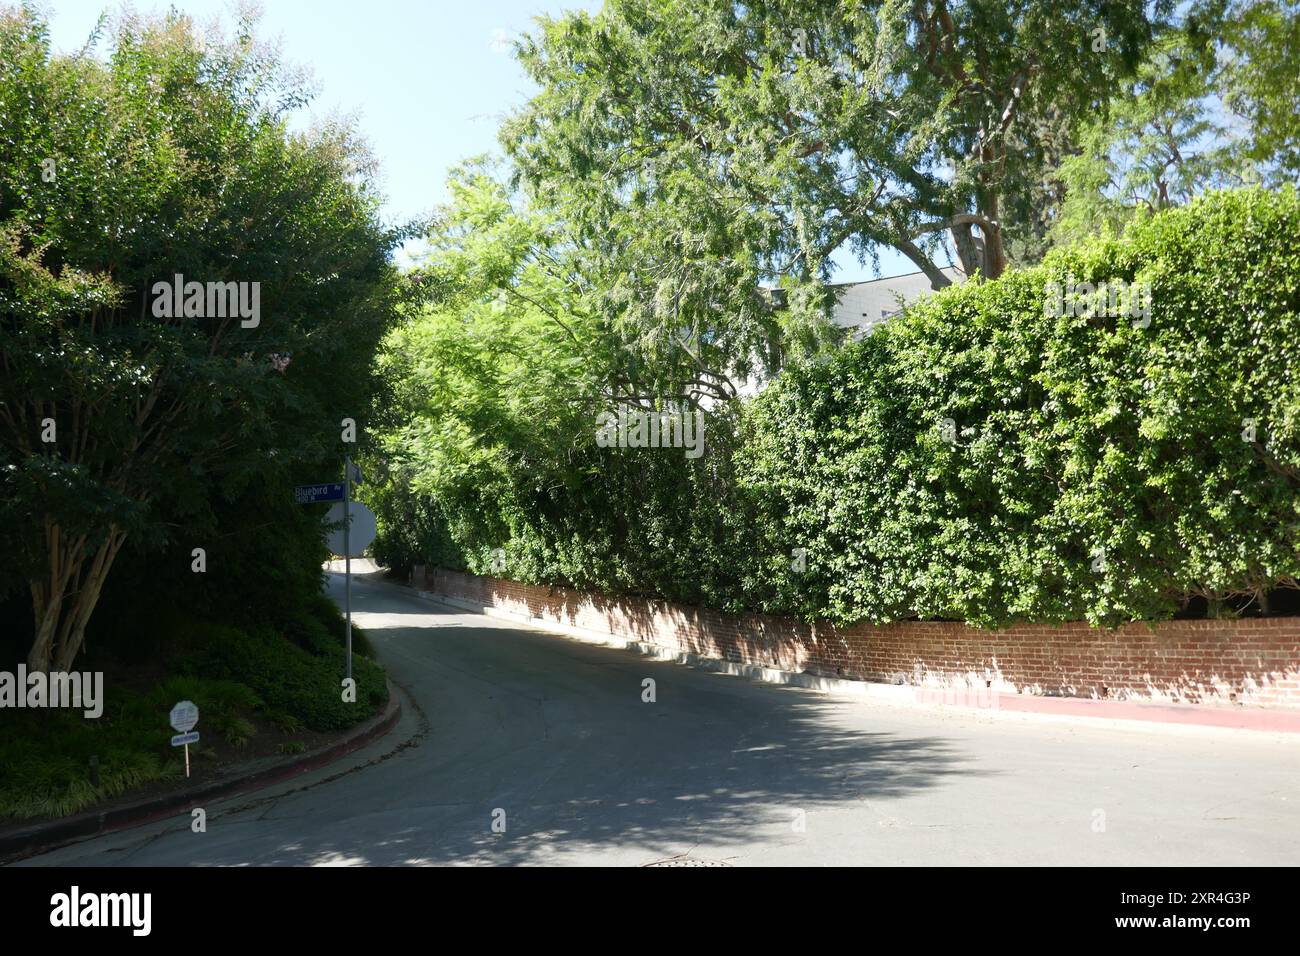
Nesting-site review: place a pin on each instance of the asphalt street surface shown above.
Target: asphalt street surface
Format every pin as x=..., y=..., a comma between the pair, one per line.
x=522, y=747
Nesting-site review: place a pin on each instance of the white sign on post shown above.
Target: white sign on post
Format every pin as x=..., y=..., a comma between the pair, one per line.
x=183, y=718
x=362, y=532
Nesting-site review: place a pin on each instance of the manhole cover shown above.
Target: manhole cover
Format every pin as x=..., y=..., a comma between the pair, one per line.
x=686, y=861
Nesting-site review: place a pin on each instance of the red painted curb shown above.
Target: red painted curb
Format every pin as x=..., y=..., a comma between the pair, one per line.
x=17, y=844
x=1192, y=714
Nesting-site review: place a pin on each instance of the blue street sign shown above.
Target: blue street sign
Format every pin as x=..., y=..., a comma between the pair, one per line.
x=180, y=740
x=310, y=494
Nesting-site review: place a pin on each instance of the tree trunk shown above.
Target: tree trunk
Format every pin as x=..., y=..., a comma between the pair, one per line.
x=995, y=255
x=45, y=609
x=62, y=608
x=969, y=249
x=48, y=597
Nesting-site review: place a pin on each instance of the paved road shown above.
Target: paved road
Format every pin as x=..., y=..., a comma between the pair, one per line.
x=554, y=733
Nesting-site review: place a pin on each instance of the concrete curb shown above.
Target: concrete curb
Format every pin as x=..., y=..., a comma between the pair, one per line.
x=19, y=843
x=1140, y=715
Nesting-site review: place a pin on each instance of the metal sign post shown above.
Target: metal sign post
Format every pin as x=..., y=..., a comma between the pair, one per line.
x=347, y=554
x=347, y=540
x=183, y=717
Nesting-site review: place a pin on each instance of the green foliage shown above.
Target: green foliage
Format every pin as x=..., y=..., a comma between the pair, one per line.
x=699, y=147
x=45, y=755
x=58, y=784
x=412, y=527
x=288, y=679
x=492, y=394
x=235, y=678
x=1157, y=146
x=173, y=156
x=1100, y=469
x=1212, y=105
x=489, y=388
x=1262, y=82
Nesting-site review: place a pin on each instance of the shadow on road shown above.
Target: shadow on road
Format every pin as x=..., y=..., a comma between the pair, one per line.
x=555, y=734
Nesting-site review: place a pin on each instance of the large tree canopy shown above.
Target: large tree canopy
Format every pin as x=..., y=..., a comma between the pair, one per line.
x=1212, y=105
x=490, y=420
x=1261, y=81
x=700, y=148
x=116, y=423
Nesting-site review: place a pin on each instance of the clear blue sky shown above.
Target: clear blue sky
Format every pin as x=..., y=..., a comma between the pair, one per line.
x=428, y=80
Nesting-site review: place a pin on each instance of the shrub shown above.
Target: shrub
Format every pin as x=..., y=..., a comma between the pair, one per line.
x=1099, y=468
x=1102, y=467
x=288, y=679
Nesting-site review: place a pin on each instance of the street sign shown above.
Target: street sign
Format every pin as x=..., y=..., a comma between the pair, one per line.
x=184, y=716
x=363, y=531
x=326, y=491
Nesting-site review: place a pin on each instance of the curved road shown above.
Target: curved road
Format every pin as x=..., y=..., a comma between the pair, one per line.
x=554, y=733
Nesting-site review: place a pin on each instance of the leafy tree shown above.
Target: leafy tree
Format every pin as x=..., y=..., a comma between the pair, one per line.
x=1262, y=80
x=118, y=424
x=1159, y=145
x=698, y=150
x=494, y=385
x=1212, y=105
x=494, y=376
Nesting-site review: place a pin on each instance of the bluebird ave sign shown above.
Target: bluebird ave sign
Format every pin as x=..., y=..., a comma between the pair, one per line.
x=326, y=491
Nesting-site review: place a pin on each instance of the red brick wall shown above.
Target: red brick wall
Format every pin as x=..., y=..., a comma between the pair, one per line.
x=1254, y=661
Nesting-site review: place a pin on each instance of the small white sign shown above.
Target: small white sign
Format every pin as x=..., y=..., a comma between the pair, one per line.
x=363, y=530
x=184, y=716
x=181, y=740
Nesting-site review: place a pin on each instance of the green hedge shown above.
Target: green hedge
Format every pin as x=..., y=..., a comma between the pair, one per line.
x=45, y=757
x=1099, y=470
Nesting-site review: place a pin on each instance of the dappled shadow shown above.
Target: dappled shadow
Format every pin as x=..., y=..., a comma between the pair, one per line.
x=627, y=789
x=1253, y=660
x=556, y=734
x=721, y=798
